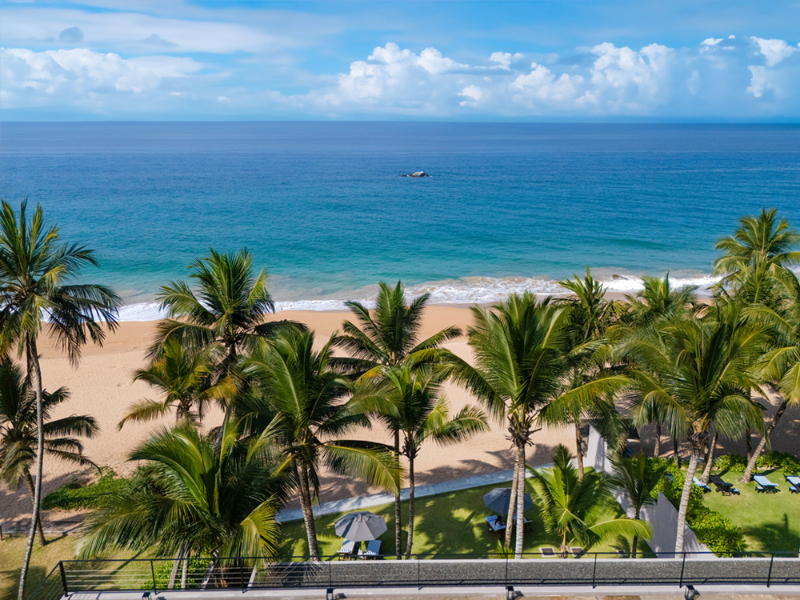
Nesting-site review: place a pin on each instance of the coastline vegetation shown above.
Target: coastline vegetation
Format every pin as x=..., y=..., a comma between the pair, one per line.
x=695, y=370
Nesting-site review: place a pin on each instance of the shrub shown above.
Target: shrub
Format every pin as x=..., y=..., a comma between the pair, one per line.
x=731, y=462
x=163, y=570
x=721, y=536
x=76, y=495
x=779, y=460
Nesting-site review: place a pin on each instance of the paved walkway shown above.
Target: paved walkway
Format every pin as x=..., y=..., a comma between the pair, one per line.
x=348, y=504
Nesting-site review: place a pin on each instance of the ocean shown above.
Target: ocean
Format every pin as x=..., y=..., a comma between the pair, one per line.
x=323, y=206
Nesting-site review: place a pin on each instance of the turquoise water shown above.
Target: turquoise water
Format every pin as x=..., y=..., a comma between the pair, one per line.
x=323, y=206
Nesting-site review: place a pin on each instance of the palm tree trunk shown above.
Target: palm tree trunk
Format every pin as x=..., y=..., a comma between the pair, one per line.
x=185, y=571
x=35, y=376
x=398, y=518
x=676, y=457
x=687, y=489
x=308, y=514
x=579, y=446
x=512, y=502
x=748, y=440
x=520, y=503
x=657, y=449
x=635, y=536
x=709, y=460
x=31, y=489
x=751, y=464
x=410, y=506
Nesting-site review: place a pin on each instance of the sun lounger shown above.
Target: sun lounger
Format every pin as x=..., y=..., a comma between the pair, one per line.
x=495, y=526
x=702, y=485
x=794, y=483
x=622, y=554
x=764, y=485
x=548, y=551
x=347, y=549
x=722, y=486
x=373, y=549
x=577, y=551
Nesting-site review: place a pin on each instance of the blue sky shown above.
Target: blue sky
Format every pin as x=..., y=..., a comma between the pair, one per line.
x=590, y=60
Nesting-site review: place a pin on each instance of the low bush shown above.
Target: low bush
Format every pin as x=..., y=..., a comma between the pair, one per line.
x=730, y=462
x=721, y=536
x=769, y=460
x=75, y=495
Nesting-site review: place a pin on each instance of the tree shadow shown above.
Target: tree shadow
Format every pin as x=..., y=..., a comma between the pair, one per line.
x=36, y=575
x=779, y=537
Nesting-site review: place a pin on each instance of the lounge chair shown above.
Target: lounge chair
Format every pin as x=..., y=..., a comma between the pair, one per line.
x=622, y=553
x=495, y=525
x=346, y=551
x=794, y=483
x=722, y=486
x=577, y=551
x=701, y=485
x=764, y=485
x=547, y=551
x=373, y=549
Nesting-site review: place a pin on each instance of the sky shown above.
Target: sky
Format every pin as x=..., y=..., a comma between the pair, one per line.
x=460, y=61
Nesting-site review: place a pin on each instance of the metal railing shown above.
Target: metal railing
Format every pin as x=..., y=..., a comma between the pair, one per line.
x=423, y=570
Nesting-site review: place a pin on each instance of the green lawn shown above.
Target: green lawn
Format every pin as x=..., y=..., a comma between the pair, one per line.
x=770, y=522
x=452, y=523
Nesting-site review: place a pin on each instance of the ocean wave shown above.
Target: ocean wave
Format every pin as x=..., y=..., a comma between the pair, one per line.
x=468, y=290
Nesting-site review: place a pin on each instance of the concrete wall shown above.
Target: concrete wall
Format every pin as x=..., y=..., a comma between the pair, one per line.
x=662, y=516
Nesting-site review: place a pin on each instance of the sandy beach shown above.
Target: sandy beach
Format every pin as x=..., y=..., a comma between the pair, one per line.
x=102, y=386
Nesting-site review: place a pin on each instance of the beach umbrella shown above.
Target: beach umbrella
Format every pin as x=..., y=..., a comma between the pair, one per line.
x=360, y=526
x=499, y=499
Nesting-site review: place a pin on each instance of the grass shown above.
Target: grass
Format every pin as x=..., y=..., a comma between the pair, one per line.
x=12, y=551
x=444, y=524
x=770, y=522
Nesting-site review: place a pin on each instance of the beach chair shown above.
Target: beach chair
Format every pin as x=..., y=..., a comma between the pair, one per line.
x=794, y=483
x=547, y=552
x=722, y=486
x=496, y=526
x=577, y=551
x=373, y=549
x=764, y=485
x=346, y=551
x=701, y=485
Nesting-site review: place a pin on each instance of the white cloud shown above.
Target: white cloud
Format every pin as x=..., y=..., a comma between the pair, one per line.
x=541, y=86
x=758, y=81
x=774, y=51
x=505, y=59
x=72, y=75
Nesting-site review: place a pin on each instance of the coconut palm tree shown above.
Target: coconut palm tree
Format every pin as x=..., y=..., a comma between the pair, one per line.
x=387, y=336
x=657, y=303
x=589, y=382
x=223, y=317
x=637, y=477
x=35, y=266
x=200, y=497
x=704, y=382
x=410, y=402
x=583, y=510
x=308, y=400
x=18, y=432
x=519, y=365
x=184, y=377
x=764, y=239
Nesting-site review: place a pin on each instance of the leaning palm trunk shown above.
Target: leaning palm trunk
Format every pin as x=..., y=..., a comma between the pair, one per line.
x=410, y=507
x=35, y=374
x=512, y=503
x=520, y=503
x=398, y=519
x=751, y=464
x=709, y=460
x=676, y=456
x=31, y=489
x=579, y=452
x=308, y=514
x=657, y=449
x=687, y=489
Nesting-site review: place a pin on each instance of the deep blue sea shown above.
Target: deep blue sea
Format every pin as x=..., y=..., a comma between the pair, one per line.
x=323, y=207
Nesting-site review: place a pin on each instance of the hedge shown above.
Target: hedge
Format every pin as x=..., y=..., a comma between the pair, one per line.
x=767, y=461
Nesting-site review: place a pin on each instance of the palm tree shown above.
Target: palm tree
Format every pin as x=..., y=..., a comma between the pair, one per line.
x=18, y=432
x=519, y=357
x=184, y=377
x=410, y=402
x=589, y=384
x=386, y=337
x=583, y=510
x=34, y=268
x=657, y=303
x=224, y=317
x=637, y=477
x=758, y=239
x=705, y=378
x=200, y=497
x=307, y=398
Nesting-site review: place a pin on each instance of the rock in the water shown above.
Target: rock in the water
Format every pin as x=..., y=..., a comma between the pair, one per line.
x=417, y=174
